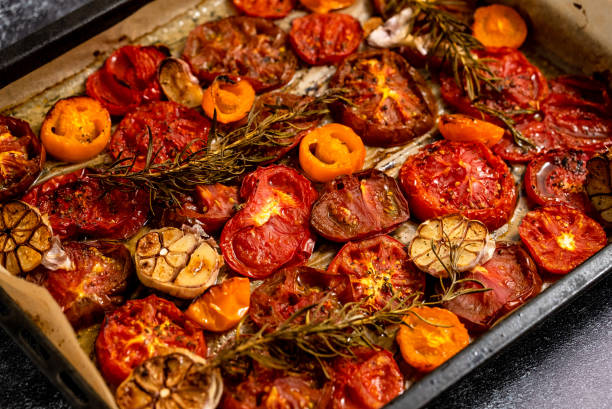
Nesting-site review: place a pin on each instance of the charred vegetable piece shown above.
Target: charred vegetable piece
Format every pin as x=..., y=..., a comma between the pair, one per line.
x=178, y=83
x=182, y=263
x=176, y=380
x=451, y=241
x=24, y=237
x=599, y=187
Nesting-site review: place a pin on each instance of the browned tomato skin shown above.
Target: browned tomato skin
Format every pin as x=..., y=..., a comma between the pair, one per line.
x=98, y=284
x=378, y=269
x=358, y=206
x=249, y=48
x=320, y=39
x=453, y=177
x=18, y=173
x=379, y=119
x=264, y=8
x=513, y=278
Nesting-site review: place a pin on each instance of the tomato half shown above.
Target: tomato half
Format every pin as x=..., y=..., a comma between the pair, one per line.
x=140, y=330
x=247, y=47
x=537, y=132
x=320, y=39
x=128, y=78
x=453, y=177
x=378, y=269
x=173, y=128
x=561, y=238
x=77, y=204
x=368, y=381
x=391, y=103
x=97, y=284
x=264, y=8
x=360, y=205
x=271, y=231
x=558, y=177
x=513, y=278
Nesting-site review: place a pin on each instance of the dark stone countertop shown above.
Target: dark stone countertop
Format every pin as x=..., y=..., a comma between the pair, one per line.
x=565, y=363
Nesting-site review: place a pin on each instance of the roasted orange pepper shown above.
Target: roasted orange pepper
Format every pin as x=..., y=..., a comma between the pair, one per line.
x=325, y=6
x=463, y=128
x=232, y=99
x=76, y=129
x=431, y=336
x=222, y=306
x=331, y=150
x=499, y=26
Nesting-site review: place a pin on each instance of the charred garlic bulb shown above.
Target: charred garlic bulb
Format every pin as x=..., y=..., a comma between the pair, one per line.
x=178, y=83
x=182, y=263
x=467, y=241
x=599, y=186
x=177, y=380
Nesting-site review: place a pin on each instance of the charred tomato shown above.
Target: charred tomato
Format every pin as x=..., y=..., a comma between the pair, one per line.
x=264, y=8
x=512, y=276
x=454, y=177
x=249, y=48
x=271, y=231
x=378, y=269
x=360, y=205
x=534, y=130
x=97, y=284
x=142, y=329
x=78, y=204
x=320, y=39
x=391, y=104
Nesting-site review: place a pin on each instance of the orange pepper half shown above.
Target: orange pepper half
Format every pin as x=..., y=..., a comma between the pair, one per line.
x=331, y=150
x=222, y=306
x=76, y=129
x=463, y=128
x=499, y=26
x=325, y=6
x=231, y=99
x=429, y=337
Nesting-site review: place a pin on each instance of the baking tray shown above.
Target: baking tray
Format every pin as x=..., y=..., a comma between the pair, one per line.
x=98, y=15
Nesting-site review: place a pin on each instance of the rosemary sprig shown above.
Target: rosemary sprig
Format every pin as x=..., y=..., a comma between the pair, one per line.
x=520, y=139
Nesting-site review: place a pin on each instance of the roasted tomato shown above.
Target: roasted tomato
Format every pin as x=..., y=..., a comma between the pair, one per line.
x=320, y=39
x=369, y=380
x=264, y=8
x=128, y=78
x=360, y=205
x=512, y=277
x=453, y=177
x=247, y=47
x=271, y=231
x=21, y=156
x=537, y=132
x=391, y=103
x=142, y=329
x=290, y=289
x=378, y=269
x=77, y=204
x=521, y=84
x=97, y=284
x=171, y=127
x=561, y=238
x=558, y=177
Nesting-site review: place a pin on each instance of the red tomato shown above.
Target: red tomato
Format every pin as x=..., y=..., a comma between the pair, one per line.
x=453, y=177
x=97, y=284
x=271, y=231
x=264, y=8
x=561, y=238
x=78, y=204
x=512, y=277
x=140, y=330
x=534, y=130
x=173, y=128
x=370, y=380
x=320, y=39
x=584, y=90
x=558, y=177
x=391, y=103
x=250, y=48
x=128, y=77
x=378, y=269
x=290, y=289
x=360, y=205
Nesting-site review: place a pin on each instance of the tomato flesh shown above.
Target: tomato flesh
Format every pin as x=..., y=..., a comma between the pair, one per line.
x=264, y=8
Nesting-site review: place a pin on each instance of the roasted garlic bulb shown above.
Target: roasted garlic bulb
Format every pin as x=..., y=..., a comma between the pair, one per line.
x=178, y=83
x=25, y=237
x=459, y=243
x=177, y=380
x=182, y=263
x=599, y=186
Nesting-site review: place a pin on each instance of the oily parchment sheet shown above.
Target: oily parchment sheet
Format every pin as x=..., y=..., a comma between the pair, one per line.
x=577, y=37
